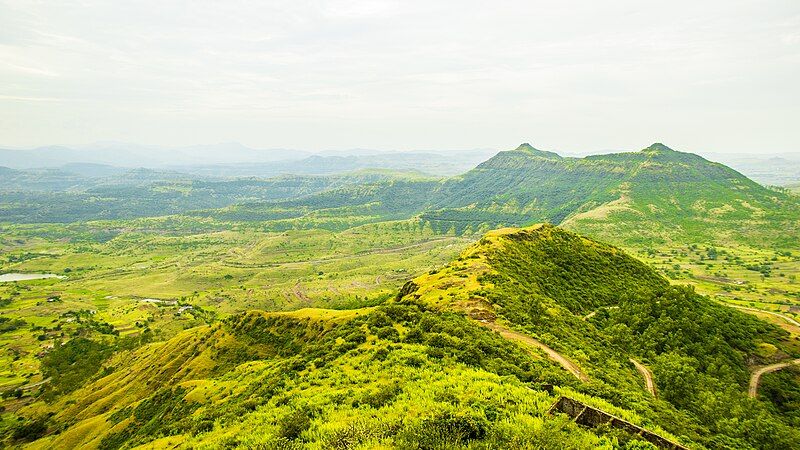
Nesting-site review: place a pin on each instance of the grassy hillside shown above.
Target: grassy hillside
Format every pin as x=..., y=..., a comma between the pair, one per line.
x=598, y=307
x=439, y=367
x=396, y=375
x=680, y=197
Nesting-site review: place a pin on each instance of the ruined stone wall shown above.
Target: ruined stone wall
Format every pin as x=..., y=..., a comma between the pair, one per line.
x=589, y=416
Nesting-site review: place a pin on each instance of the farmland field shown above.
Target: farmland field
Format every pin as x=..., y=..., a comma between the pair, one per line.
x=163, y=280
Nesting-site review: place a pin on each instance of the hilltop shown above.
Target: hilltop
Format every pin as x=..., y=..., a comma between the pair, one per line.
x=453, y=359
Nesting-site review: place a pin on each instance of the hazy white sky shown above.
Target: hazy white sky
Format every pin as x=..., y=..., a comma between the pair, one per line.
x=572, y=76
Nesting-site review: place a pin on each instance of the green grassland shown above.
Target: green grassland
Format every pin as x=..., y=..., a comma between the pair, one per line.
x=739, y=275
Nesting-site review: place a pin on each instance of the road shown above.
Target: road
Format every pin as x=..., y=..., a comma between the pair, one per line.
x=786, y=318
x=648, y=376
x=594, y=313
x=755, y=378
x=512, y=335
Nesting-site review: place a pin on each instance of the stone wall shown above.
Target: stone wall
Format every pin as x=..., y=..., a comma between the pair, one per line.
x=589, y=416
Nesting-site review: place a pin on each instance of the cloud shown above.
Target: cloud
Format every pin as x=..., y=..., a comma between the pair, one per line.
x=399, y=74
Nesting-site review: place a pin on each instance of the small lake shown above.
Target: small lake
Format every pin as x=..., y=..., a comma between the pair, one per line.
x=6, y=277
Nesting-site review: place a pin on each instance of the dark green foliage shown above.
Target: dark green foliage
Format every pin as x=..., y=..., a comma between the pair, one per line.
x=8, y=324
x=579, y=274
x=445, y=430
x=782, y=390
x=165, y=413
x=716, y=338
x=546, y=279
x=30, y=430
x=295, y=423
x=70, y=365
x=380, y=397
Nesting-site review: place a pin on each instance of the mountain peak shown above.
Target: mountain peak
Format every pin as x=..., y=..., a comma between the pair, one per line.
x=658, y=147
x=528, y=148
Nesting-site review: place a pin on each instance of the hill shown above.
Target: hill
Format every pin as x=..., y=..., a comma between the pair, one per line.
x=593, y=308
x=463, y=357
x=655, y=194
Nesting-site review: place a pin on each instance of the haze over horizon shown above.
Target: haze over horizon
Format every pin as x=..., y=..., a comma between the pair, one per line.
x=713, y=77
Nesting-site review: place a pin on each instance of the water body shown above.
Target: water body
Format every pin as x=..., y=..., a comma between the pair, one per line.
x=7, y=277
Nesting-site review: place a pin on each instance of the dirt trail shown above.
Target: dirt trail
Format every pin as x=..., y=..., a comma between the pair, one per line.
x=298, y=292
x=648, y=376
x=755, y=378
x=570, y=366
x=594, y=313
x=28, y=387
x=745, y=308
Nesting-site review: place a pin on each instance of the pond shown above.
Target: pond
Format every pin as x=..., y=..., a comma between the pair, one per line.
x=6, y=277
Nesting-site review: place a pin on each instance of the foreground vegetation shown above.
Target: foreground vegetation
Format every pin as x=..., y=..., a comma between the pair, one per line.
x=422, y=369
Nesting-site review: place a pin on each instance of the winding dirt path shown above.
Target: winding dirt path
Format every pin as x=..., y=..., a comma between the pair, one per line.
x=755, y=378
x=594, y=313
x=756, y=310
x=647, y=375
x=28, y=387
x=512, y=335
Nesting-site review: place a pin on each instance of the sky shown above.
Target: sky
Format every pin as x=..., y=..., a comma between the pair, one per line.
x=570, y=76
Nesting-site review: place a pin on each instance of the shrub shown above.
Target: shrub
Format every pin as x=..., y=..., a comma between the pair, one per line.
x=292, y=425
x=30, y=430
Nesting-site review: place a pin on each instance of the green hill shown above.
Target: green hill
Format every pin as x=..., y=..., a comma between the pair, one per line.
x=460, y=359
x=655, y=194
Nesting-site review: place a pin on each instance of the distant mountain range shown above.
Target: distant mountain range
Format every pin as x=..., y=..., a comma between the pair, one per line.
x=134, y=155
x=775, y=170
x=654, y=195
x=231, y=160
